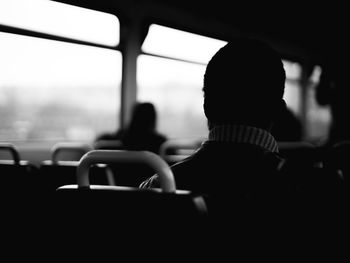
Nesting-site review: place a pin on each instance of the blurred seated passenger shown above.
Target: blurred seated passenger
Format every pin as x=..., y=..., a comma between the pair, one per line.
x=332, y=91
x=243, y=96
x=141, y=133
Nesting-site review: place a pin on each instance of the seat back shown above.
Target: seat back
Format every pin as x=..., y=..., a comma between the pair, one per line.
x=116, y=208
x=167, y=181
x=338, y=157
x=173, y=150
x=68, y=151
x=62, y=168
x=54, y=175
x=301, y=153
x=120, y=170
x=17, y=176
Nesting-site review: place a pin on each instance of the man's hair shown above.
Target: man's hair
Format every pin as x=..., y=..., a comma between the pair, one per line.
x=244, y=83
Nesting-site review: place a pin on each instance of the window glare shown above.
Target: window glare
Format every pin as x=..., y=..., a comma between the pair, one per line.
x=169, y=42
x=176, y=89
x=292, y=69
x=318, y=117
x=292, y=96
x=51, y=90
x=60, y=19
x=316, y=73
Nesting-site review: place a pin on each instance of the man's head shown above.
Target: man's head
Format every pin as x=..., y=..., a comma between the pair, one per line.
x=244, y=84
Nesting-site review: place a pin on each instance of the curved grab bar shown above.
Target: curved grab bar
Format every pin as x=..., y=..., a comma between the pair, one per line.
x=13, y=151
x=68, y=146
x=166, y=177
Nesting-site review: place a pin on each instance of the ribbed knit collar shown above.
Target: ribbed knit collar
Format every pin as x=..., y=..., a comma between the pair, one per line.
x=243, y=134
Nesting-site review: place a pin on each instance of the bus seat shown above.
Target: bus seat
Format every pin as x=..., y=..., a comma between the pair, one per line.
x=69, y=151
x=54, y=175
x=16, y=174
x=118, y=208
x=308, y=176
x=62, y=167
x=120, y=171
x=175, y=150
x=301, y=153
x=338, y=157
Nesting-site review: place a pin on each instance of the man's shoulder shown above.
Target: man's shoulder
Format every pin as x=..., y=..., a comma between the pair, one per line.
x=273, y=160
x=214, y=154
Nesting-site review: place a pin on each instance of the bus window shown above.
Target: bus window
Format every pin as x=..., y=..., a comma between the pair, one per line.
x=46, y=17
x=174, y=85
x=178, y=44
x=292, y=91
x=318, y=117
x=175, y=88
x=55, y=91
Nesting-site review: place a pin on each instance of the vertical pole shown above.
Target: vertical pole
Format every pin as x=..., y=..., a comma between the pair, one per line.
x=131, y=48
x=304, y=85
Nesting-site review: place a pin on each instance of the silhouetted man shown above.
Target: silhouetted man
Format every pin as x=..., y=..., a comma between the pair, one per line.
x=243, y=89
x=251, y=196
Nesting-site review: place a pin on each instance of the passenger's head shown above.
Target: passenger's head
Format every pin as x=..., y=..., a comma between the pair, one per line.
x=244, y=84
x=143, y=117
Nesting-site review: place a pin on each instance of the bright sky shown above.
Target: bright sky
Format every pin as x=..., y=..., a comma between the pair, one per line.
x=28, y=61
x=155, y=70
